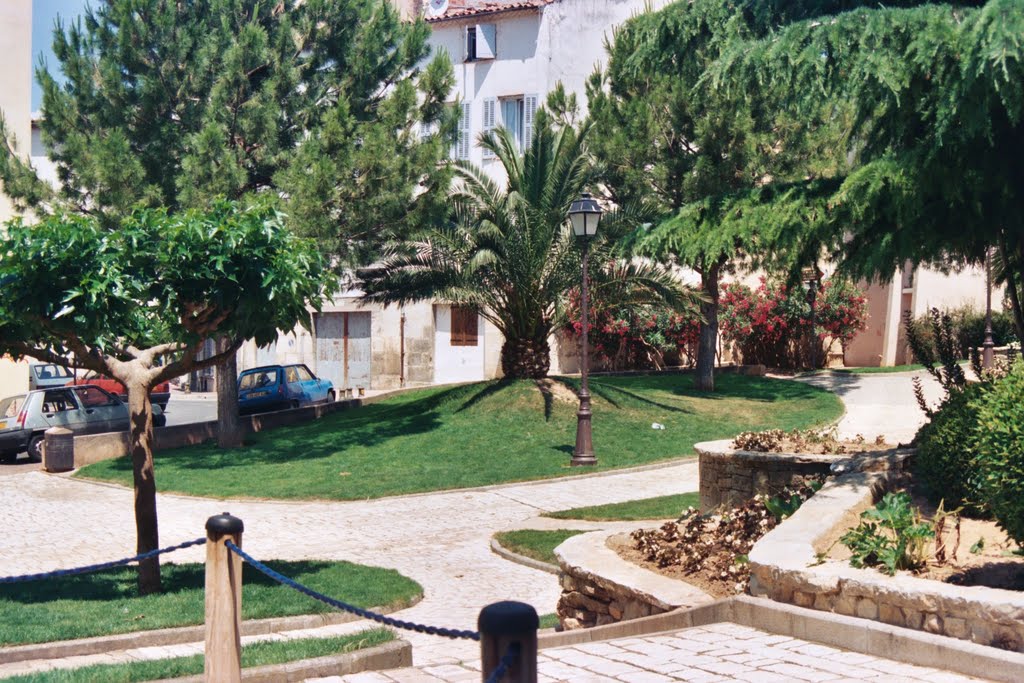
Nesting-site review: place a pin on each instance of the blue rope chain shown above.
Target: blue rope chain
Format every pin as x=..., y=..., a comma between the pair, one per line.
x=344, y=606
x=59, y=573
x=505, y=664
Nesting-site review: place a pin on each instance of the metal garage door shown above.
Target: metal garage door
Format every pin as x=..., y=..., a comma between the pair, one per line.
x=343, y=349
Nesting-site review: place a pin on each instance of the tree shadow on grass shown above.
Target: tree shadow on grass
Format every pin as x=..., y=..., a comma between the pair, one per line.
x=603, y=390
x=761, y=389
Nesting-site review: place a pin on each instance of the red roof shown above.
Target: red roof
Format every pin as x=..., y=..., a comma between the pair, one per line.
x=462, y=9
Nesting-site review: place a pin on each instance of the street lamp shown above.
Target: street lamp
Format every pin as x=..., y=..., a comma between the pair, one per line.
x=987, y=355
x=585, y=215
x=812, y=278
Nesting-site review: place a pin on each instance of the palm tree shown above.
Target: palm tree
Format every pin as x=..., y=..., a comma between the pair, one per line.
x=510, y=252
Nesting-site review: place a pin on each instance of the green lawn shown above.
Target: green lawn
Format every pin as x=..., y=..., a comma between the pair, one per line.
x=255, y=654
x=534, y=543
x=663, y=507
x=479, y=434
x=105, y=603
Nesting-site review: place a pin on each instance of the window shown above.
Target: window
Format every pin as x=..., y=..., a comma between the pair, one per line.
x=11, y=406
x=58, y=400
x=481, y=42
x=490, y=121
x=517, y=115
x=304, y=374
x=94, y=397
x=51, y=372
x=291, y=374
x=464, y=326
x=255, y=380
x=464, y=141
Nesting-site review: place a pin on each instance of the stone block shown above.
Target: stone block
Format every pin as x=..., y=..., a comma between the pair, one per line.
x=867, y=609
x=981, y=632
x=581, y=601
x=635, y=609
x=803, y=599
x=605, y=619
x=933, y=624
x=615, y=609
x=955, y=627
x=890, y=614
x=823, y=602
x=845, y=605
x=571, y=625
x=913, y=618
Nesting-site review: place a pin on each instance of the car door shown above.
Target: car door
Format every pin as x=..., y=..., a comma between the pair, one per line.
x=296, y=390
x=60, y=408
x=104, y=412
x=312, y=388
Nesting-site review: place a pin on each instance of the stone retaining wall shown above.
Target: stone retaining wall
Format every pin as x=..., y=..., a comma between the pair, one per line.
x=730, y=477
x=619, y=592
x=785, y=566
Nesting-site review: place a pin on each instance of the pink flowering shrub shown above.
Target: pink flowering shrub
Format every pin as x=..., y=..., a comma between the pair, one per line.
x=772, y=324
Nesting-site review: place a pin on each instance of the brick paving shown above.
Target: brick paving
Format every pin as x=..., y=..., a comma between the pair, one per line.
x=707, y=654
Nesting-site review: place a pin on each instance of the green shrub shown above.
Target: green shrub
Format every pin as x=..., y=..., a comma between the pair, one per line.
x=1000, y=450
x=944, y=463
x=891, y=534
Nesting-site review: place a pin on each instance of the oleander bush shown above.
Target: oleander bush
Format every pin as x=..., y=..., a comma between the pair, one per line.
x=946, y=453
x=999, y=443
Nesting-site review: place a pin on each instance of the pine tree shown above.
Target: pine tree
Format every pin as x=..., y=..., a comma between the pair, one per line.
x=175, y=104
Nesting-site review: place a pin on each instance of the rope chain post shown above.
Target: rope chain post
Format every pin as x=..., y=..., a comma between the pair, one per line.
x=506, y=626
x=223, y=601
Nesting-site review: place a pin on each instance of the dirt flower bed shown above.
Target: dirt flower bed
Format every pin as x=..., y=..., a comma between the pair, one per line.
x=806, y=442
x=962, y=551
x=710, y=550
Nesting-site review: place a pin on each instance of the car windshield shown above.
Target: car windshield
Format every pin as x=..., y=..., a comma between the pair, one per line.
x=11, y=406
x=255, y=380
x=51, y=372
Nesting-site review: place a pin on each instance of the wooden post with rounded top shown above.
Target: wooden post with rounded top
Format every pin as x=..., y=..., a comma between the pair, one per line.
x=501, y=625
x=223, y=601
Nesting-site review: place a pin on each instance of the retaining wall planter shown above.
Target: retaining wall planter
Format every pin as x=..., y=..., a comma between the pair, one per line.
x=599, y=587
x=785, y=567
x=96, y=447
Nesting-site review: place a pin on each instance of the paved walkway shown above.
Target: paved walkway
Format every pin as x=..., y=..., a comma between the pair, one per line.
x=718, y=652
x=441, y=540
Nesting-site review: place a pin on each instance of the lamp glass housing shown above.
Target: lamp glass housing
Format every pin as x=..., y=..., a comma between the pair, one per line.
x=585, y=215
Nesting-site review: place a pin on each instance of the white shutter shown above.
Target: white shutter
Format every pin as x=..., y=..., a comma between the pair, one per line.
x=486, y=41
x=465, y=140
x=529, y=114
x=490, y=121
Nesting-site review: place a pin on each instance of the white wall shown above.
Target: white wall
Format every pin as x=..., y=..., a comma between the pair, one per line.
x=456, y=363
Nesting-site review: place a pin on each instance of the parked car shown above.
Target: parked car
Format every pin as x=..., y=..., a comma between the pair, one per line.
x=160, y=394
x=85, y=409
x=277, y=387
x=44, y=375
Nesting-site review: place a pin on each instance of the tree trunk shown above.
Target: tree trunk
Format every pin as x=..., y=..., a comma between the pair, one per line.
x=705, y=377
x=525, y=358
x=146, y=531
x=1011, y=286
x=229, y=426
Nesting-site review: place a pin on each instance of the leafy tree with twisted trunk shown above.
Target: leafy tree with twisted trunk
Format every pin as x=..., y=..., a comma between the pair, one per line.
x=174, y=104
x=510, y=252
x=138, y=304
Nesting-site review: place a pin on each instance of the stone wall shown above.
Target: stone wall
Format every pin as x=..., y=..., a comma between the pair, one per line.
x=730, y=477
x=600, y=588
x=785, y=567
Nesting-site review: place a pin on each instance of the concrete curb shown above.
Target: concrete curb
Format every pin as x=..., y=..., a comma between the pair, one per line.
x=393, y=655
x=849, y=633
x=174, y=636
x=501, y=551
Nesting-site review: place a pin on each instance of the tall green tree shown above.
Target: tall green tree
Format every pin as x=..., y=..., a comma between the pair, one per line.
x=936, y=140
x=138, y=304
x=510, y=252
x=173, y=104
x=702, y=154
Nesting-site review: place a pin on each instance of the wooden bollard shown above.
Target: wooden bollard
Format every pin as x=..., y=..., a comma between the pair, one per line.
x=59, y=450
x=223, y=601
x=501, y=625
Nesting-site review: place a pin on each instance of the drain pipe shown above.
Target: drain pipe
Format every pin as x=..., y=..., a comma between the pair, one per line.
x=401, y=338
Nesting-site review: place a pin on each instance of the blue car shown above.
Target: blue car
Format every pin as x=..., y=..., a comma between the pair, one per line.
x=279, y=387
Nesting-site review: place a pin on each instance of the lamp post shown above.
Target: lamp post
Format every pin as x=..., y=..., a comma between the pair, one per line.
x=987, y=355
x=585, y=215
x=812, y=278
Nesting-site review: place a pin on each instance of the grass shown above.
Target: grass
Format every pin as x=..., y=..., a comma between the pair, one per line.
x=480, y=434
x=255, y=654
x=534, y=543
x=548, y=620
x=106, y=603
x=662, y=507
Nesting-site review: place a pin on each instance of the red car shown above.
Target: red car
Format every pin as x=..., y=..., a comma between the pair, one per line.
x=160, y=394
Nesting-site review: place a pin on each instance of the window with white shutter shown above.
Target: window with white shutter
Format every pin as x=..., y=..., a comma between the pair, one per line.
x=490, y=121
x=481, y=42
x=464, y=141
x=529, y=115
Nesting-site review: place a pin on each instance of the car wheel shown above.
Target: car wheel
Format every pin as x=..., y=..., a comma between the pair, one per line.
x=295, y=404
x=35, y=448
x=331, y=397
x=160, y=420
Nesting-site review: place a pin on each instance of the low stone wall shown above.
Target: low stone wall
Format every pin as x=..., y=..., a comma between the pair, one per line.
x=96, y=447
x=730, y=477
x=599, y=587
x=785, y=566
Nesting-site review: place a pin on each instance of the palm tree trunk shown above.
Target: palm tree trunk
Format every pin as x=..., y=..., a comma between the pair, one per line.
x=705, y=377
x=525, y=358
